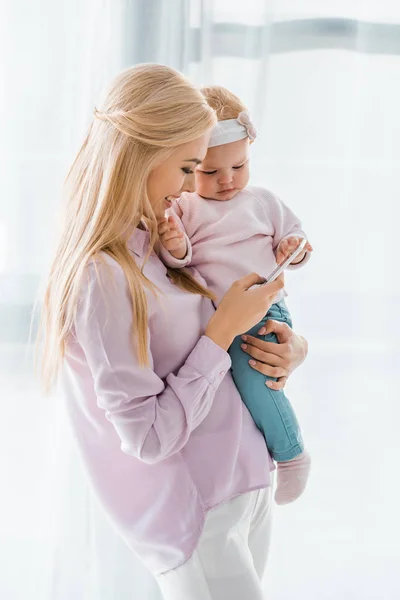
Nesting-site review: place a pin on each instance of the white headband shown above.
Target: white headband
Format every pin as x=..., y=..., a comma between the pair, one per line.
x=233, y=130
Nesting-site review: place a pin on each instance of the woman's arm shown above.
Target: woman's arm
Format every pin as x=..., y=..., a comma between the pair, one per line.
x=154, y=417
x=277, y=360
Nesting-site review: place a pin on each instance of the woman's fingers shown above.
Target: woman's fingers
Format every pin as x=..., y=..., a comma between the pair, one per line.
x=267, y=370
x=268, y=291
x=282, y=330
x=264, y=289
x=263, y=351
x=248, y=281
x=271, y=360
x=275, y=286
x=271, y=350
x=277, y=385
x=289, y=353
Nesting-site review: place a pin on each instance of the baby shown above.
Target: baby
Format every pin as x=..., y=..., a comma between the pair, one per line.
x=227, y=229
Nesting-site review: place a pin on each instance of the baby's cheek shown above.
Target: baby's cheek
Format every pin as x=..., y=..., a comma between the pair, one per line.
x=243, y=178
x=203, y=186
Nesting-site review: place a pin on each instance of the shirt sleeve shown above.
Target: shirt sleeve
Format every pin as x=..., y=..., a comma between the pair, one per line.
x=166, y=257
x=153, y=417
x=286, y=224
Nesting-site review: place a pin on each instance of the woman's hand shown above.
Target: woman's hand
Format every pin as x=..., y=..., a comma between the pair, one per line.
x=276, y=360
x=241, y=308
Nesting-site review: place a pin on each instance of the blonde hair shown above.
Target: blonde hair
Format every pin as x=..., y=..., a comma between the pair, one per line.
x=149, y=110
x=225, y=104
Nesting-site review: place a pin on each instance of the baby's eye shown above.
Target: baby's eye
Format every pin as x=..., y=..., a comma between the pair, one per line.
x=239, y=167
x=209, y=172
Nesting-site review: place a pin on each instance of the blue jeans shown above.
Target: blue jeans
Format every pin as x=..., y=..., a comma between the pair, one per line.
x=270, y=409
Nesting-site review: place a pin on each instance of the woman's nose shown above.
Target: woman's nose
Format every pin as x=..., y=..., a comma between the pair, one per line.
x=189, y=185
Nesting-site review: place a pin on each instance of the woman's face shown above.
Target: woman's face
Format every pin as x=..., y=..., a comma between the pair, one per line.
x=176, y=174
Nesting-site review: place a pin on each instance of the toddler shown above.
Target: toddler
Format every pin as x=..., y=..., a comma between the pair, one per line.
x=227, y=229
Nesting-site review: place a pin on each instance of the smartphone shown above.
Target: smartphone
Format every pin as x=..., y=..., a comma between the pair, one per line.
x=286, y=262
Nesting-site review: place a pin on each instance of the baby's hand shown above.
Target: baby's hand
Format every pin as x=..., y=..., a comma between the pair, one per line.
x=172, y=237
x=287, y=246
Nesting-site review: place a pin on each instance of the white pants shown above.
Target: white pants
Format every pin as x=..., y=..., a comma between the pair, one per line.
x=229, y=561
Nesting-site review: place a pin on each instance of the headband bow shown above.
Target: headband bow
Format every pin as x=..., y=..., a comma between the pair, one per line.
x=233, y=130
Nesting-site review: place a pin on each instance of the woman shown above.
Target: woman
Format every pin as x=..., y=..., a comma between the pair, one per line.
x=170, y=449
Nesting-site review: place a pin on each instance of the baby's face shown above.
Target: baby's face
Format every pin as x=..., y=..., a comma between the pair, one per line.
x=224, y=171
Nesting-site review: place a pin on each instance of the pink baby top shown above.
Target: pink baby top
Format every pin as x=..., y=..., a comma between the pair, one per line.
x=162, y=444
x=231, y=239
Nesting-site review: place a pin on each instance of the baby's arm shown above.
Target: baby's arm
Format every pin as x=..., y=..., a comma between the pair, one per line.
x=288, y=245
x=288, y=234
x=175, y=247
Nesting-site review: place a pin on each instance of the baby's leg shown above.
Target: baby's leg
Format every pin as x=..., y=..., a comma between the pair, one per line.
x=273, y=415
x=292, y=478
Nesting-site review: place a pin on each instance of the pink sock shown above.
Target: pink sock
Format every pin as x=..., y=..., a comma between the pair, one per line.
x=292, y=478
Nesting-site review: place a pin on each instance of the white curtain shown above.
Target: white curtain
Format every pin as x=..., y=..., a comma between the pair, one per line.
x=322, y=80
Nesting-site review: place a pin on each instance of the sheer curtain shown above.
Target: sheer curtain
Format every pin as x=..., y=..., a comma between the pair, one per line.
x=322, y=82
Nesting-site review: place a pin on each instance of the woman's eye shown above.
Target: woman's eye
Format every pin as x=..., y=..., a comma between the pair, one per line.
x=239, y=167
x=187, y=171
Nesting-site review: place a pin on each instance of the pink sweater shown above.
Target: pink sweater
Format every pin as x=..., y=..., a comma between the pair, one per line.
x=163, y=444
x=234, y=238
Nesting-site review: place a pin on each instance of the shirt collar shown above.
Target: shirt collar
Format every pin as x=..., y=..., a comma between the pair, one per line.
x=139, y=242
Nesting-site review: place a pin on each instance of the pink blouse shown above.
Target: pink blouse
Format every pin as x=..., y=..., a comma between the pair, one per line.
x=162, y=444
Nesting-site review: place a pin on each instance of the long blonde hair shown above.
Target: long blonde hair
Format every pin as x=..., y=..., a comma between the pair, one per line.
x=149, y=110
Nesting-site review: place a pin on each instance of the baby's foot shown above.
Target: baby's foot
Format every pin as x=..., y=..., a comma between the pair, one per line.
x=292, y=478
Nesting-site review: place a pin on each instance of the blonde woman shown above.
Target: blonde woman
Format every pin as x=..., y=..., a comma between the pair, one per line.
x=170, y=449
